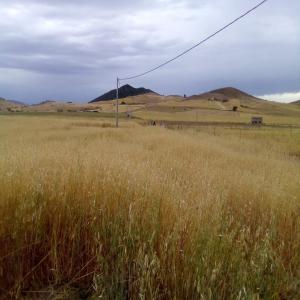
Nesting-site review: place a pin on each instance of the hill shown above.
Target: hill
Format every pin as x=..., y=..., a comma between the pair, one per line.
x=124, y=92
x=14, y=102
x=231, y=92
x=56, y=106
x=218, y=106
x=224, y=94
x=45, y=102
x=7, y=105
x=296, y=102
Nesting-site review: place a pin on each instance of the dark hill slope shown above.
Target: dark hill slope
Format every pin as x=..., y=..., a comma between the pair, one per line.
x=296, y=102
x=124, y=91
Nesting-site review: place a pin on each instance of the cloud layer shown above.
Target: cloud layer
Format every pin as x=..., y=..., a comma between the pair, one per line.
x=75, y=49
x=284, y=97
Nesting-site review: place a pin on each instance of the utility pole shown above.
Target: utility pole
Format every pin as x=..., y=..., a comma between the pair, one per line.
x=117, y=98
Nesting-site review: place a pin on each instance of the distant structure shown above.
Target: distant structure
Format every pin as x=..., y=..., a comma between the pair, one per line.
x=256, y=120
x=152, y=123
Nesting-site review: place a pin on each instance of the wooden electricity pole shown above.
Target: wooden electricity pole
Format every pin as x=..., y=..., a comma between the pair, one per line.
x=117, y=108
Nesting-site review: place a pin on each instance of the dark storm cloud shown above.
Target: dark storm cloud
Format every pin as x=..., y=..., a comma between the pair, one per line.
x=86, y=44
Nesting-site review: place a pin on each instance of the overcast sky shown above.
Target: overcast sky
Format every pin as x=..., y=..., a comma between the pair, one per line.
x=73, y=50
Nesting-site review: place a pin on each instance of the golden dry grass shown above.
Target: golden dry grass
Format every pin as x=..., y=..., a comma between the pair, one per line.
x=147, y=213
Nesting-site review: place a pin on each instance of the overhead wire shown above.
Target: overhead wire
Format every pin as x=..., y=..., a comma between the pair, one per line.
x=196, y=45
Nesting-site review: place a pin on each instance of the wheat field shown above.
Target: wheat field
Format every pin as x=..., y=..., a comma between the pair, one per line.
x=88, y=211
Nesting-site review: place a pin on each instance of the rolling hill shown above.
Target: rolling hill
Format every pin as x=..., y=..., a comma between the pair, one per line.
x=15, y=102
x=224, y=94
x=213, y=106
x=296, y=102
x=217, y=106
x=56, y=106
x=6, y=105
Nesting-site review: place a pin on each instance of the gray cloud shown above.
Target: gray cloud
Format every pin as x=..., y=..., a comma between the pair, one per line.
x=75, y=49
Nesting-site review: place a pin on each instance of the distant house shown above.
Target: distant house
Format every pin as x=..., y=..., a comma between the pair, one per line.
x=256, y=120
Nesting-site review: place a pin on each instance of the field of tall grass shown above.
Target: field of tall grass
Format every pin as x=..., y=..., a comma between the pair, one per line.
x=89, y=211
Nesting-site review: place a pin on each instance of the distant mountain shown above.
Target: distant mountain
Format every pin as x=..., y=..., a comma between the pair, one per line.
x=16, y=102
x=9, y=104
x=224, y=94
x=44, y=102
x=124, y=91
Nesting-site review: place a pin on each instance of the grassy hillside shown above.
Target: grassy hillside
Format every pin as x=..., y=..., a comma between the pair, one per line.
x=10, y=105
x=147, y=213
x=219, y=111
x=4, y=105
x=203, y=109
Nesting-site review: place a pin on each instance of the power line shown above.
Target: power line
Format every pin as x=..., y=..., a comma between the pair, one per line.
x=197, y=45
x=181, y=54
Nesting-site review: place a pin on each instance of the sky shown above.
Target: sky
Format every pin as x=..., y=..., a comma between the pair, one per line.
x=74, y=50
